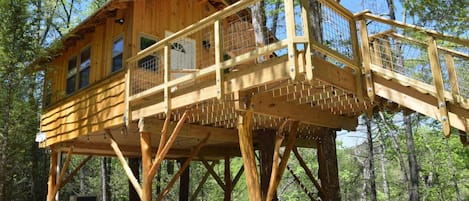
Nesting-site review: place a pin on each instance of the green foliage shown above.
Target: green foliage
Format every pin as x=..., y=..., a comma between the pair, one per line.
x=450, y=16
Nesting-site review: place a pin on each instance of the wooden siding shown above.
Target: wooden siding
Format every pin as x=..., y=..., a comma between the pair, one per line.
x=94, y=109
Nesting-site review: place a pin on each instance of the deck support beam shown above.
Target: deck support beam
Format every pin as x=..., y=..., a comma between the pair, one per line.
x=249, y=159
x=279, y=169
x=328, y=170
x=183, y=168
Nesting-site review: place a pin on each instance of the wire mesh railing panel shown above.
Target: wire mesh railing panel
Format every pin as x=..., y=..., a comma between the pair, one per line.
x=462, y=72
x=146, y=72
x=336, y=33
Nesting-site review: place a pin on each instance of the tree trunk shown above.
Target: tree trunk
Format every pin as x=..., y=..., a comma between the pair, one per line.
x=315, y=20
x=383, y=167
x=371, y=160
x=397, y=148
x=413, y=166
x=453, y=171
x=259, y=24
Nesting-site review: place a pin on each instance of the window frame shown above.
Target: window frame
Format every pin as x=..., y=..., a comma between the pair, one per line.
x=120, y=37
x=155, y=68
x=78, y=70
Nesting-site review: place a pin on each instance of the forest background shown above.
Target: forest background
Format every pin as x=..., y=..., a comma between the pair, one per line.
x=401, y=156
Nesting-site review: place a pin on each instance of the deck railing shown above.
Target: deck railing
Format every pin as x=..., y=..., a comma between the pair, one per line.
x=227, y=41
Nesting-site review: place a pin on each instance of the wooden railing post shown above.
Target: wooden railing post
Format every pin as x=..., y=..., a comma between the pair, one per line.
x=218, y=59
x=439, y=87
x=453, y=78
x=366, y=58
x=167, y=98
x=309, y=45
x=290, y=26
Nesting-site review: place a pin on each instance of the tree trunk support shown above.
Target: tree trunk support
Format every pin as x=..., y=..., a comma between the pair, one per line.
x=184, y=166
x=247, y=152
x=52, y=175
x=279, y=169
x=134, y=164
x=328, y=170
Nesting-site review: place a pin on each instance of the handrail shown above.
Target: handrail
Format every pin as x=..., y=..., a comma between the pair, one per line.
x=230, y=10
x=435, y=34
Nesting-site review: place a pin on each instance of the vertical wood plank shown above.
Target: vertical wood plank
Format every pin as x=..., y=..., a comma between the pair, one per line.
x=247, y=151
x=167, y=101
x=218, y=59
x=290, y=26
x=453, y=78
x=439, y=87
x=366, y=58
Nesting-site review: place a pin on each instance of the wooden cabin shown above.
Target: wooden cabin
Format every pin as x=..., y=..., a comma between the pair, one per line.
x=135, y=71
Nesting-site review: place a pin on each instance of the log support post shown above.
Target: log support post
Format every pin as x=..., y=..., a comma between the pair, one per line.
x=184, y=180
x=51, y=184
x=247, y=152
x=328, y=170
x=145, y=144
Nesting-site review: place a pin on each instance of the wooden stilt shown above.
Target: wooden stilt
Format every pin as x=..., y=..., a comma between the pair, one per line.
x=161, y=154
x=74, y=172
x=184, y=181
x=124, y=164
x=228, y=186
x=63, y=170
x=184, y=166
x=213, y=173
x=328, y=171
x=145, y=144
x=52, y=176
x=247, y=151
x=278, y=170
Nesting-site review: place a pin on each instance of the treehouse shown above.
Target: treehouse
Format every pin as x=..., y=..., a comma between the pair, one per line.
x=208, y=80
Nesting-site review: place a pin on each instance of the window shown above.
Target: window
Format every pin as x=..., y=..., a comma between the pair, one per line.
x=85, y=57
x=71, y=75
x=78, y=77
x=117, y=54
x=149, y=62
x=182, y=53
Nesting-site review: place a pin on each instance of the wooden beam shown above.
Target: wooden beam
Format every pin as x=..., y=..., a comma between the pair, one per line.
x=74, y=172
x=291, y=35
x=453, y=77
x=439, y=85
x=52, y=180
x=247, y=151
x=308, y=46
x=124, y=164
x=303, y=187
x=265, y=103
x=201, y=184
x=186, y=164
x=238, y=176
x=366, y=56
x=213, y=173
x=275, y=178
x=63, y=170
x=161, y=155
x=166, y=96
x=145, y=144
x=218, y=28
